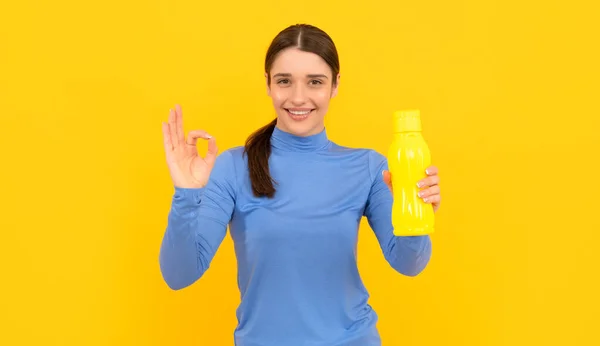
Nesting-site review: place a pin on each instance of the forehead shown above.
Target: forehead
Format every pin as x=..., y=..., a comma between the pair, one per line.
x=295, y=61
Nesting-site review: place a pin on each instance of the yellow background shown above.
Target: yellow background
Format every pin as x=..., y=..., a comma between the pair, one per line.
x=508, y=92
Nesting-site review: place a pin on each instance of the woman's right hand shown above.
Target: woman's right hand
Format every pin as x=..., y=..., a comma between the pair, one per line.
x=187, y=168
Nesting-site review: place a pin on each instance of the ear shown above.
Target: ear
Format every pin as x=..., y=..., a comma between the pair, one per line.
x=337, y=85
x=267, y=83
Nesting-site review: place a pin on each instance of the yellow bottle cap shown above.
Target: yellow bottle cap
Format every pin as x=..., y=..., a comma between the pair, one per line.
x=407, y=120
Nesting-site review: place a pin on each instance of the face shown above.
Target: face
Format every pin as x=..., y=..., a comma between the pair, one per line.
x=301, y=88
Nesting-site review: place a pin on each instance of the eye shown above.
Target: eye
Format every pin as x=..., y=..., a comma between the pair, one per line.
x=283, y=81
x=315, y=82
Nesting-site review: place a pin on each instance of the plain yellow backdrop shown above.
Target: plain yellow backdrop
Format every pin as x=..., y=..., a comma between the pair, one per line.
x=507, y=91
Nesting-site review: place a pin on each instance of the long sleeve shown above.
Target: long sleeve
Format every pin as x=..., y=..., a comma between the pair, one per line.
x=408, y=255
x=197, y=225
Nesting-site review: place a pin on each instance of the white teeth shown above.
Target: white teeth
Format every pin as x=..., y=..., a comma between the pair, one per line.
x=299, y=113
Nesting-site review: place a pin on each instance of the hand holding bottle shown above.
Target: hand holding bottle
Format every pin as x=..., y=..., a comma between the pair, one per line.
x=187, y=168
x=430, y=189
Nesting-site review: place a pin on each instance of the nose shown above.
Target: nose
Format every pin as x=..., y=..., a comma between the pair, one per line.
x=298, y=95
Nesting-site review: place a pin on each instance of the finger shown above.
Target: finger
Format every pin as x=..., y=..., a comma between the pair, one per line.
x=430, y=191
x=431, y=170
x=435, y=199
x=179, y=120
x=173, y=128
x=429, y=181
x=211, y=154
x=167, y=137
x=193, y=136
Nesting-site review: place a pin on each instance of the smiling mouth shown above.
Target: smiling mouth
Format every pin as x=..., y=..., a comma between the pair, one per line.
x=299, y=111
x=299, y=114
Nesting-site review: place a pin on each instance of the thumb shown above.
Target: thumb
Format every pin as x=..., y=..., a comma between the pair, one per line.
x=213, y=150
x=387, y=179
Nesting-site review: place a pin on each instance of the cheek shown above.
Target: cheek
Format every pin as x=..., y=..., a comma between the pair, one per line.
x=278, y=97
x=322, y=97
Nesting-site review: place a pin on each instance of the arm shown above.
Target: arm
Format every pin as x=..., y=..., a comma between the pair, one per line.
x=407, y=255
x=197, y=224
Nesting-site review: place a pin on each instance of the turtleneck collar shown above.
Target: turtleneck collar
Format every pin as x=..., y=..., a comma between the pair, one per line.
x=289, y=142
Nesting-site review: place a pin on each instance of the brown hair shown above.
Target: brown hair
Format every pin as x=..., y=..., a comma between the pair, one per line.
x=307, y=38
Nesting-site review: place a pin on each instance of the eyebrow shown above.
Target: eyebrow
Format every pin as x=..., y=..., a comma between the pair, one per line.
x=308, y=75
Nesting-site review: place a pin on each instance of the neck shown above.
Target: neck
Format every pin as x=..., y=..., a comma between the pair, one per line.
x=287, y=141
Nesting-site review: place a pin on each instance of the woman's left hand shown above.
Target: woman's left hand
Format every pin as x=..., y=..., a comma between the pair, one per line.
x=429, y=186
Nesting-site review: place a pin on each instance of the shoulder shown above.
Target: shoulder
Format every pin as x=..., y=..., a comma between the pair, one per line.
x=377, y=163
x=373, y=160
x=370, y=156
x=228, y=163
x=234, y=153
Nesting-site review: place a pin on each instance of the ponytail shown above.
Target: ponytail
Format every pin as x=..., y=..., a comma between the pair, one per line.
x=258, y=148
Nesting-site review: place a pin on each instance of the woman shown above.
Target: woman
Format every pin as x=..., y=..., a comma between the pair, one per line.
x=293, y=201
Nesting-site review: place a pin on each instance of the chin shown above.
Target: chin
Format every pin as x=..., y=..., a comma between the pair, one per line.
x=302, y=124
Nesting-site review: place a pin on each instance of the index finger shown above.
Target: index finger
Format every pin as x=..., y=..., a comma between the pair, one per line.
x=179, y=124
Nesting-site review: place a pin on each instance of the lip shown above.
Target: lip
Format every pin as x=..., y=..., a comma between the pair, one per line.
x=299, y=109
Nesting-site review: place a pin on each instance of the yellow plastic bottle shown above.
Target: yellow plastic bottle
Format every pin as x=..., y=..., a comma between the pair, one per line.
x=408, y=157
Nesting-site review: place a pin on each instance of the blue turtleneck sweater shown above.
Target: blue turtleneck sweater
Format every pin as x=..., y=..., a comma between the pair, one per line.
x=296, y=252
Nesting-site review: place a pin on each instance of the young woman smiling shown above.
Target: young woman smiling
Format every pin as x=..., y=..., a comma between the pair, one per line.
x=293, y=200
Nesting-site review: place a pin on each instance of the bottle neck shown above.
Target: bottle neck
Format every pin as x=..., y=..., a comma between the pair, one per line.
x=407, y=121
x=407, y=124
